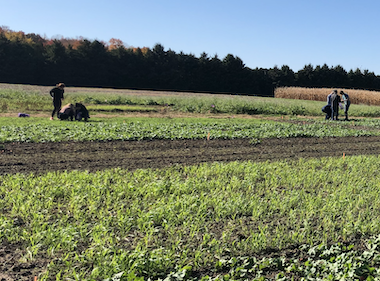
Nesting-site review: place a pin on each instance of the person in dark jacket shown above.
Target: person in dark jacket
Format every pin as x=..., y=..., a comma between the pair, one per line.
x=335, y=100
x=327, y=109
x=57, y=95
x=81, y=112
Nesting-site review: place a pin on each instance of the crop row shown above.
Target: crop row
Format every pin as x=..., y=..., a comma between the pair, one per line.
x=175, y=129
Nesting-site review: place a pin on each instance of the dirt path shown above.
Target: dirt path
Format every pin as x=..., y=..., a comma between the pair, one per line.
x=93, y=156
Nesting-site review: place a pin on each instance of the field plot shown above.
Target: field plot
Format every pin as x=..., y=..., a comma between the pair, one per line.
x=232, y=220
x=39, y=158
x=158, y=143
x=35, y=100
x=275, y=198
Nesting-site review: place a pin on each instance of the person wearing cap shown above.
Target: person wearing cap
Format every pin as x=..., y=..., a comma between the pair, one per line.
x=57, y=95
x=347, y=103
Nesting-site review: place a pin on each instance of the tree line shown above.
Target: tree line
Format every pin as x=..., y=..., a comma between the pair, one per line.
x=32, y=59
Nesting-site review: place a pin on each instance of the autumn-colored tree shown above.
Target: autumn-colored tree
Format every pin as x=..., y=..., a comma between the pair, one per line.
x=17, y=37
x=142, y=51
x=115, y=44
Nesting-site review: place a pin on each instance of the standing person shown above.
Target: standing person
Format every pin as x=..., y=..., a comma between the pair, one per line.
x=329, y=97
x=57, y=95
x=347, y=103
x=335, y=100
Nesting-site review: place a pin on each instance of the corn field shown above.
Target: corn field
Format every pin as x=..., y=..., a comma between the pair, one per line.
x=320, y=94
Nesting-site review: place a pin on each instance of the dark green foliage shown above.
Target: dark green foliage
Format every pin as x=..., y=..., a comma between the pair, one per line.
x=31, y=59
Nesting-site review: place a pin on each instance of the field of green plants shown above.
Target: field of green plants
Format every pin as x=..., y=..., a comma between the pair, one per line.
x=16, y=99
x=185, y=221
x=42, y=130
x=315, y=219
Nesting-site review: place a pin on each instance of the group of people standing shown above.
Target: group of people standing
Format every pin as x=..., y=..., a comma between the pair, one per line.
x=334, y=101
x=69, y=111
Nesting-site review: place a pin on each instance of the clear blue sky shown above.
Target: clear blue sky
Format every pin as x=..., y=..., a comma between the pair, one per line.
x=263, y=33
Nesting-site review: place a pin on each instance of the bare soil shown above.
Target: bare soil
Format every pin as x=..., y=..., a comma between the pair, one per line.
x=39, y=158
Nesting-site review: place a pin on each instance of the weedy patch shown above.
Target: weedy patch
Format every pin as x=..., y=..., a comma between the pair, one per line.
x=254, y=141
x=193, y=222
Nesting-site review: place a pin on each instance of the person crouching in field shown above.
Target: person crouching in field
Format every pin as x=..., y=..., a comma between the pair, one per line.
x=347, y=103
x=67, y=112
x=327, y=108
x=81, y=112
x=57, y=95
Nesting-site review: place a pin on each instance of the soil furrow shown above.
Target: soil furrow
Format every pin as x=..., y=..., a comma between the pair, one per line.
x=94, y=156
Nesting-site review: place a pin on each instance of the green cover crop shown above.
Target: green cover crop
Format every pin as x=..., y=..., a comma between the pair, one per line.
x=209, y=219
x=128, y=129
